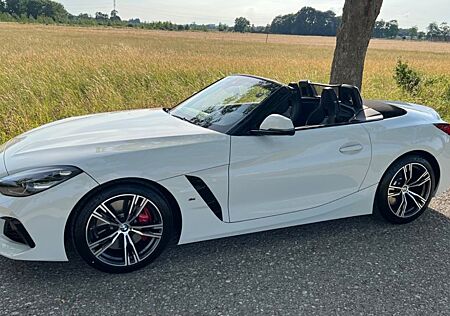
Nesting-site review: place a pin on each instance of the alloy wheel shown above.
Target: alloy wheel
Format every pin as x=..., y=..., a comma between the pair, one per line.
x=124, y=230
x=409, y=190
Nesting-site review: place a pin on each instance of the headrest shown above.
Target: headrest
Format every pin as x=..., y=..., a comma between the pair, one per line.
x=306, y=88
x=350, y=95
x=329, y=101
x=295, y=87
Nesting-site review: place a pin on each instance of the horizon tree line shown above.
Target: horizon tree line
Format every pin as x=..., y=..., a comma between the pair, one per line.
x=307, y=21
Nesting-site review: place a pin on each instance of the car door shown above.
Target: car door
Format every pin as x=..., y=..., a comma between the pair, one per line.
x=274, y=175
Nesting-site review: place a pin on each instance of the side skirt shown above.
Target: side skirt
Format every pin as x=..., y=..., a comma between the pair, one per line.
x=200, y=224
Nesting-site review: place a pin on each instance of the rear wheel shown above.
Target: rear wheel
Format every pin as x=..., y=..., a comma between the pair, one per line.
x=123, y=229
x=406, y=190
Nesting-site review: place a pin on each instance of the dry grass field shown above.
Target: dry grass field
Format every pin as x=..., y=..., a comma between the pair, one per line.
x=52, y=72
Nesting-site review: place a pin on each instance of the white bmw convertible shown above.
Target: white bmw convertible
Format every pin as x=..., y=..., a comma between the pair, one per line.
x=244, y=155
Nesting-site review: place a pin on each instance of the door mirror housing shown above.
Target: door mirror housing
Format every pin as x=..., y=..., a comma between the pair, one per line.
x=276, y=124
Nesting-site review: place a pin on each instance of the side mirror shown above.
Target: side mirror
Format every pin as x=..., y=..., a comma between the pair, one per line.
x=276, y=124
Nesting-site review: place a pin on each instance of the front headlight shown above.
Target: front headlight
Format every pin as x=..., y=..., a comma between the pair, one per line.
x=33, y=181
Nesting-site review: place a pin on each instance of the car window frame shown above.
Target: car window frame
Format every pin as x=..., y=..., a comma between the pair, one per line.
x=265, y=103
x=251, y=122
x=257, y=116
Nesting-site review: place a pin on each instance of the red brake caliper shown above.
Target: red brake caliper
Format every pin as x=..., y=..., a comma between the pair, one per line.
x=144, y=218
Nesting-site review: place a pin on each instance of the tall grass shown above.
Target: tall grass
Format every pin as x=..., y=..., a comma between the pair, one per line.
x=52, y=72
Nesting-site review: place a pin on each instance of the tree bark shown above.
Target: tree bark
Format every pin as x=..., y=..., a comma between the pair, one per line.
x=353, y=37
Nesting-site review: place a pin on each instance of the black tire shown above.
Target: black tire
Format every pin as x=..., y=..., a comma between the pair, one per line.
x=392, y=203
x=87, y=226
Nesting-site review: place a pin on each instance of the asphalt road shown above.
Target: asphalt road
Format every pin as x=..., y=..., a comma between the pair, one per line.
x=359, y=266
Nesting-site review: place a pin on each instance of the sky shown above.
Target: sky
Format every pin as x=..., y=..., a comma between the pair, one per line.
x=260, y=12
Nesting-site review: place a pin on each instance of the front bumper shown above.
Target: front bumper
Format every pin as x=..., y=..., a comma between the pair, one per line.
x=44, y=216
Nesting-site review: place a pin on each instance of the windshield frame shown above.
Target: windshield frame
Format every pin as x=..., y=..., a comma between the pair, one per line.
x=228, y=130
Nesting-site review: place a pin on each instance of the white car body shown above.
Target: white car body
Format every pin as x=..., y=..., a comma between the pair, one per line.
x=261, y=183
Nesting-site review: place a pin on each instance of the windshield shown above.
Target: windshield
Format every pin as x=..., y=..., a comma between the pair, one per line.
x=225, y=103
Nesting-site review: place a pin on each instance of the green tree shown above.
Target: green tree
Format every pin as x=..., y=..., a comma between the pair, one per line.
x=6, y=17
x=55, y=10
x=445, y=31
x=222, y=27
x=307, y=21
x=434, y=33
x=241, y=25
x=35, y=8
x=135, y=21
x=84, y=16
x=282, y=24
x=392, y=29
x=16, y=7
x=102, y=17
x=379, y=30
x=115, y=16
x=413, y=32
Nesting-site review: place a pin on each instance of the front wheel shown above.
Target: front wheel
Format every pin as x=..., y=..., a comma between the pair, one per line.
x=405, y=190
x=122, y=229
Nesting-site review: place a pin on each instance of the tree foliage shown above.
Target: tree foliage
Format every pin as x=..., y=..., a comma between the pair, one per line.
x=307, y=21
x=413, y=32
x=34, y=9
x=241, y=25
x=438, y=32
x=115, y=16
x=407, y=78
x=385, y=29
x=100, y=16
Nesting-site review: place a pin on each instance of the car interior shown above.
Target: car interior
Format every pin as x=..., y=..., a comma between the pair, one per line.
x=313, y=104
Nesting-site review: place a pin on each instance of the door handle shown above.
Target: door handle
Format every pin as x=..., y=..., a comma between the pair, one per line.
x=351, y=148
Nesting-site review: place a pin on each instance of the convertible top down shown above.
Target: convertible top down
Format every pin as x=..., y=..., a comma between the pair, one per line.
x=245, y=154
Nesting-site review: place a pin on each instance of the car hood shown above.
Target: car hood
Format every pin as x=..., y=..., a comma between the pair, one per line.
x=76, y=141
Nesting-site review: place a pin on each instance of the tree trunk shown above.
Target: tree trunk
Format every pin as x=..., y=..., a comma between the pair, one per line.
x=353, y=37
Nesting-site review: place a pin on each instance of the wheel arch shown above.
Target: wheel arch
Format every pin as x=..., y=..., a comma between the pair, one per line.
x=428, y=157
x=135, y=181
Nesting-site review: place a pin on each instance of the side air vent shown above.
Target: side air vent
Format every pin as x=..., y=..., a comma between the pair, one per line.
x=207, y=196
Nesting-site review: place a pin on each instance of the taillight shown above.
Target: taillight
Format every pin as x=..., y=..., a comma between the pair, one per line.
x=444, y=127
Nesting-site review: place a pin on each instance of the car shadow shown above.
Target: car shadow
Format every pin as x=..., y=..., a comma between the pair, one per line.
x=352, y=259
x=340, y=234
